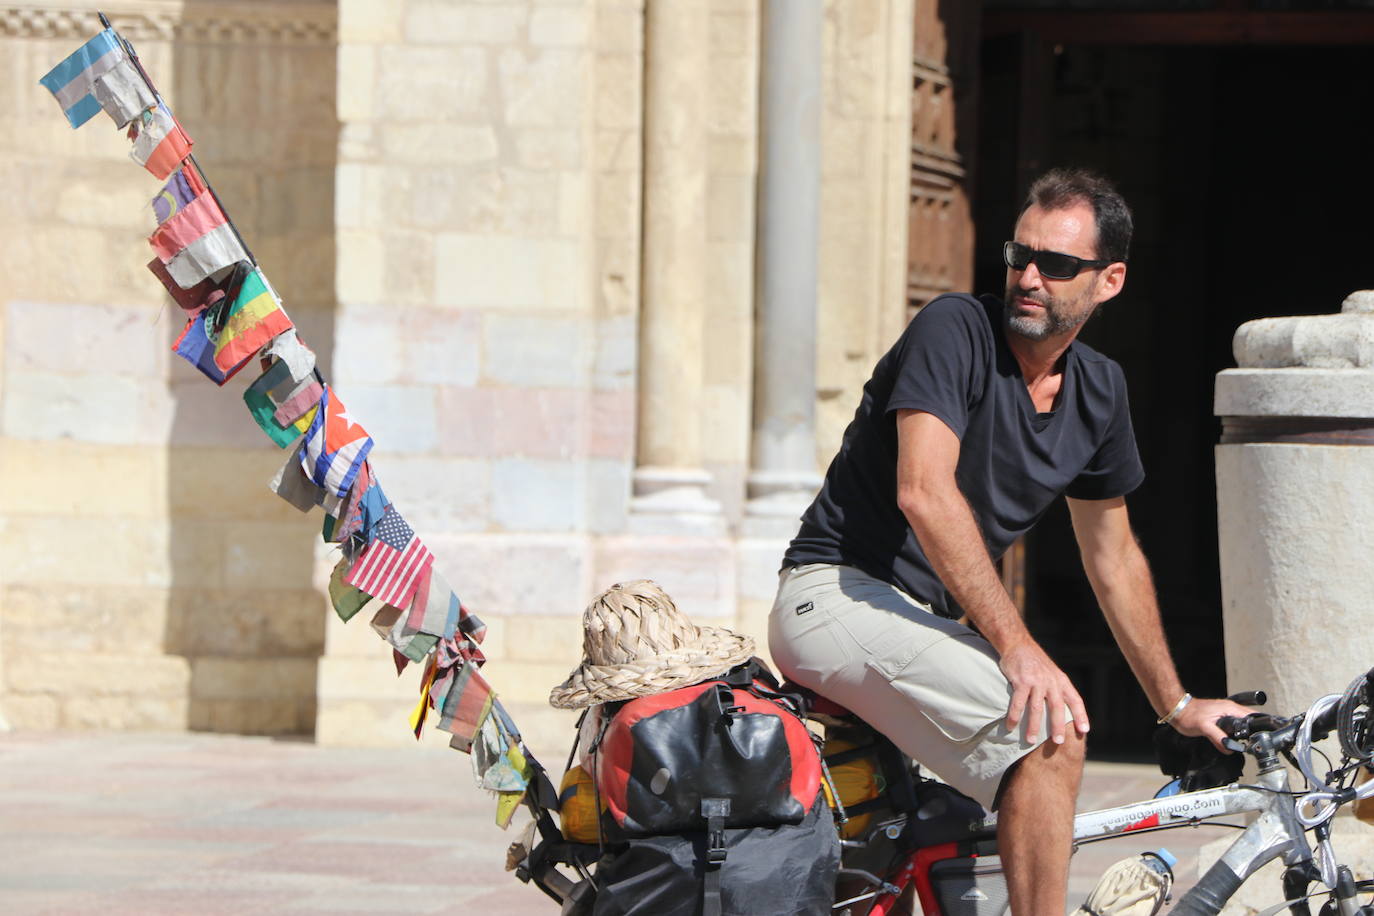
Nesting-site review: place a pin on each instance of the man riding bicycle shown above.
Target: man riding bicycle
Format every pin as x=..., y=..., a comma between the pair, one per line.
x=982, y=414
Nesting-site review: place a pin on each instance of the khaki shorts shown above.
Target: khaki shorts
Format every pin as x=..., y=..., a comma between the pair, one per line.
x=930, y=684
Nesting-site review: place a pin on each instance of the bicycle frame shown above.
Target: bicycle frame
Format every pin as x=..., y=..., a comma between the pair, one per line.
x=1276, y=832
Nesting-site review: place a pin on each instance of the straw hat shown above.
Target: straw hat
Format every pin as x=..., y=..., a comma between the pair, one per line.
x=636, y=642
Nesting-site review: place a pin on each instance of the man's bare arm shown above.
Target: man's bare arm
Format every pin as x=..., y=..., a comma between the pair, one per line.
x=1121, y=580
x=929, y=496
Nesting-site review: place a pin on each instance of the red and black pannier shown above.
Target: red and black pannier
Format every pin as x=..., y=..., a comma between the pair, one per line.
x=715, y=792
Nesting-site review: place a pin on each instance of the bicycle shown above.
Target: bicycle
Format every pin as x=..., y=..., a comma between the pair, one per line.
x=924, y=839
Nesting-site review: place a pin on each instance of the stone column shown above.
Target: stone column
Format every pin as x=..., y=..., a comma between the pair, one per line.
x=669, y=480
x=1295, y=495
x=782, y=476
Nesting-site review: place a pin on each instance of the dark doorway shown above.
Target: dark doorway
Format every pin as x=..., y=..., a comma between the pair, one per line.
x=1248, y=180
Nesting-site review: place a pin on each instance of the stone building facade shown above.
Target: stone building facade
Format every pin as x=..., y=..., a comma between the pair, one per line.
x=522, y=238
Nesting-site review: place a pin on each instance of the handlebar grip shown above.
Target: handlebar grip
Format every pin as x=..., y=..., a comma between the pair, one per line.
x=1233, y=726
x=1323, y=724
x=1249, y=698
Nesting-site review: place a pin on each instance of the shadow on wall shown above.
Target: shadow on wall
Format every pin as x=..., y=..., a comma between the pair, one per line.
x=243, y=611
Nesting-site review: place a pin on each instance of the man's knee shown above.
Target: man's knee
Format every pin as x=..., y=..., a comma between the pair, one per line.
x=1066, y=757
x=1048, y=762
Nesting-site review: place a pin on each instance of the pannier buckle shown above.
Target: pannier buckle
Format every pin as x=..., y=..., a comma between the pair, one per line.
x=715, y=810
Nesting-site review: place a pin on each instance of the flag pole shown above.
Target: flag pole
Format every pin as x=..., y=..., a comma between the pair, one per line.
x=133, y=55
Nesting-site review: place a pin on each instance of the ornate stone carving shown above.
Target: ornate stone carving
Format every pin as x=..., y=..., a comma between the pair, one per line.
x=172, y=20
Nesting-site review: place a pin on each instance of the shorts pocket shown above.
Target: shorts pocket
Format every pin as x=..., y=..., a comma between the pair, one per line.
x=952, y=680
x=805, y=643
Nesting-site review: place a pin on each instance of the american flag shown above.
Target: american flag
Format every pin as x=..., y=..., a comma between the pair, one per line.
x=392, y=563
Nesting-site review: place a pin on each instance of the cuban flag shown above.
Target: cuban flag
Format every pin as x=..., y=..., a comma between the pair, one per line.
x=71, y=81
x=336, y=445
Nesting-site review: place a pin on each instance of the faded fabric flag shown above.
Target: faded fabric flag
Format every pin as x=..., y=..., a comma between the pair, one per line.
x=352, y=518
x=472, y=626
x=300, y=402
x=195, y=347
x=461, y=695
x=499, y=763
x=417, y=718
x=291, y=484
x=389, y=623
x=71, y=81
x=184, y=186
x=435, y=609
x=189, y=221
x=160, y=143
x=251, y=321
x=391, y=564
x=346, y=599
x=258, y=398
x=290, y=349
x=335, y=446
x=194, y=300
x=197, y=241
x=123, y=93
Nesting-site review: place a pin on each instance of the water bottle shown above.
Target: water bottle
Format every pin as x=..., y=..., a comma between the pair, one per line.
x=1161, y=861
x=1120, y=888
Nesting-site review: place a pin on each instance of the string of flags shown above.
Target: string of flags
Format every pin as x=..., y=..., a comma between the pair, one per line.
x=234, y=315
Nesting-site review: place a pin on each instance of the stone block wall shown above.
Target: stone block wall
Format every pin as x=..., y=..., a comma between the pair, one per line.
x=468, y=332
x=150, y=580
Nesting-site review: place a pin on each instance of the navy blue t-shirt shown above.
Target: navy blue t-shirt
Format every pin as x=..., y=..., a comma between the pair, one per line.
x=953, y=361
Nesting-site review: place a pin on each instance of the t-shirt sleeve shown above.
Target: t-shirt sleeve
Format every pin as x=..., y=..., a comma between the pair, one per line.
x=1115, y=469
x=941, y=361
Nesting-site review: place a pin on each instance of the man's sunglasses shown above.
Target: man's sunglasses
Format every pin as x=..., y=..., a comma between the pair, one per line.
x=1052, y=264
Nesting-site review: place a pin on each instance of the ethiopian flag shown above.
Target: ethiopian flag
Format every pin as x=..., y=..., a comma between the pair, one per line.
x=251, y=322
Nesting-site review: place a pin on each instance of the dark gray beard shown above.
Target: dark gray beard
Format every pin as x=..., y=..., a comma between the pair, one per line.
x=1056, y=320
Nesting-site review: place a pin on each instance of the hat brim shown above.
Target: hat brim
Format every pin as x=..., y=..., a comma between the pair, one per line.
x=717, y=651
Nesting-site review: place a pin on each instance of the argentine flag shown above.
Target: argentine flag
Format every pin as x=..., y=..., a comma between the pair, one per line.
x=70, y=82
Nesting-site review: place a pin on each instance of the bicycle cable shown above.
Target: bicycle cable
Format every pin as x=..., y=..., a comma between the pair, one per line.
x=1323, y=799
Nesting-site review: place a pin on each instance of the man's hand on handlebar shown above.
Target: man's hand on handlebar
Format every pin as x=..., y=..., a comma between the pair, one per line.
x=1199, y=717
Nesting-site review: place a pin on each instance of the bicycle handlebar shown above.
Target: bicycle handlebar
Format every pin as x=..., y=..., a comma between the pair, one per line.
x=1283, y=731
x=1249, y=698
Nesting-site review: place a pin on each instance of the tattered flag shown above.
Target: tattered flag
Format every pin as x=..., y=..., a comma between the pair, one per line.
x=123, y=93
x=71, y=81
x=160, y=143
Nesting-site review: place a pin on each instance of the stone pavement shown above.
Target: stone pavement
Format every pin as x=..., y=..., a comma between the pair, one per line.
x=134, y=823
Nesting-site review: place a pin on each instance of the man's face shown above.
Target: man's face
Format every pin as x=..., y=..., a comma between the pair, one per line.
x=1037, y=307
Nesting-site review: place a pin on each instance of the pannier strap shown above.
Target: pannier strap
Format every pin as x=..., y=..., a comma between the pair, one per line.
x=715, y=811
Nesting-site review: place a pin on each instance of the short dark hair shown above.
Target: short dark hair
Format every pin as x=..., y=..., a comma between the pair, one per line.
x=1060, y=188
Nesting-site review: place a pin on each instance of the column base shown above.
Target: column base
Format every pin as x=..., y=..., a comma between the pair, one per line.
x=673, y=501
x=776, y=502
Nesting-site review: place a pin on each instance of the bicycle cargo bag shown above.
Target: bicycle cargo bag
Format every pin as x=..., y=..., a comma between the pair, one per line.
x=785, y=870
x=715, y=790
x=728, y=738
x=970, y=886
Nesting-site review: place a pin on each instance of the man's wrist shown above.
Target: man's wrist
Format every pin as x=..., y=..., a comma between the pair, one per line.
x=1173, y=714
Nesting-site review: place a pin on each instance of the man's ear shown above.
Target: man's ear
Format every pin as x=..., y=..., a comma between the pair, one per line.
x=1110, y=281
